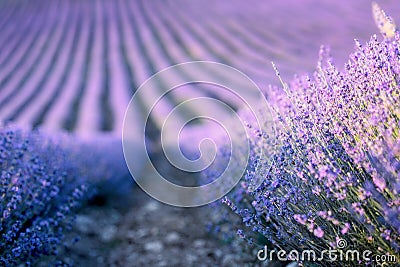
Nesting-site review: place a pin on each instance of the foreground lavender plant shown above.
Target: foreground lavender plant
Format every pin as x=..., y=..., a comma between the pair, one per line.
x=38, y=193
x=336, y=170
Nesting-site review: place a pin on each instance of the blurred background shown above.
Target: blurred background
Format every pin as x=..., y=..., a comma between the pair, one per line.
x=73, y=65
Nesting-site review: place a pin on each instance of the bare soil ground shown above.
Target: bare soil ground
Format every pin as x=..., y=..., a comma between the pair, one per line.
x=140, y=231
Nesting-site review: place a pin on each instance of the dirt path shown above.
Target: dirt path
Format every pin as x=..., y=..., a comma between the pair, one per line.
x=140, y=231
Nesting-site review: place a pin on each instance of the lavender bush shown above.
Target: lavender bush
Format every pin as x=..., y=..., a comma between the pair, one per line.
x=39, y=191
x=336, y=169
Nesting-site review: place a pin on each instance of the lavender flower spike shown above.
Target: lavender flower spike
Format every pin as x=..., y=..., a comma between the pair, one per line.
x=384, y=22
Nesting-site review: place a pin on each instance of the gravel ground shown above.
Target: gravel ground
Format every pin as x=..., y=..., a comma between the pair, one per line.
x=140, y=231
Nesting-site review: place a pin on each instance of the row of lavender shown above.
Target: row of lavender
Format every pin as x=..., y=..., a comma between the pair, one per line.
x=75, y=65
x=43, y=181
x=334, y=183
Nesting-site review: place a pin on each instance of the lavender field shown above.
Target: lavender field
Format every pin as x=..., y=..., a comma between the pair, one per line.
x=74, y=65
x=68, y=70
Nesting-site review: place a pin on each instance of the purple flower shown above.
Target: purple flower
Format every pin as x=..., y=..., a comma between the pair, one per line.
x=318, y=232
x=345, y=228
x=379, y=182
